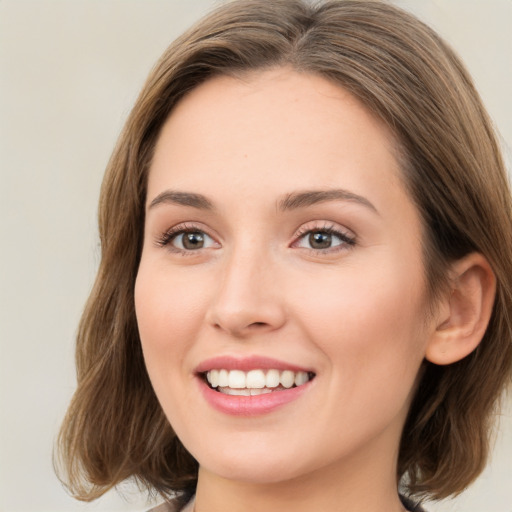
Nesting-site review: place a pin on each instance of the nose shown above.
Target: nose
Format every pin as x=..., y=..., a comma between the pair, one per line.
x=248, y=298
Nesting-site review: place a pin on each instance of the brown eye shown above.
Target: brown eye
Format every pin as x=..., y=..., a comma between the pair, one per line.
x=324, y=240
x=191, y=240
x=320, y=240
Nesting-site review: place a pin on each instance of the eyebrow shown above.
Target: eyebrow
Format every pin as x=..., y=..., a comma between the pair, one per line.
x=183, y=199
x=291, y=201
x=311, y=197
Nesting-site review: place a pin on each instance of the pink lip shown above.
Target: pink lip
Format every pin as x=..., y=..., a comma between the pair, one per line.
x=246, y=364
x=250, y=405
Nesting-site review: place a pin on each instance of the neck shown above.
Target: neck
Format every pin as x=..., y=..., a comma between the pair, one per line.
x=364, y=482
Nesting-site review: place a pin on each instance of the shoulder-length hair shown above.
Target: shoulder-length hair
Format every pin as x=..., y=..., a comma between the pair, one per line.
x=407, y=76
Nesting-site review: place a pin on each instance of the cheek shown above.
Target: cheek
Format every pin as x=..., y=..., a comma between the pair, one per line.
x=368, y=321
x=369, y=326
x=169, y=312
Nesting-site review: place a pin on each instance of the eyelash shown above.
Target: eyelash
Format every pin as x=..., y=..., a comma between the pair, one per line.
x=165, y=239
x=348, y=240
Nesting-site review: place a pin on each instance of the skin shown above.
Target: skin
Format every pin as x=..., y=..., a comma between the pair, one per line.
x=355, y=313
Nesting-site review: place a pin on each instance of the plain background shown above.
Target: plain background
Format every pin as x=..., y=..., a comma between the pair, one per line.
x=69, y=72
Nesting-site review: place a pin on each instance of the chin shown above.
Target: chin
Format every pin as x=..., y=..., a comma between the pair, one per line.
x=255, y=472
x=254, y=466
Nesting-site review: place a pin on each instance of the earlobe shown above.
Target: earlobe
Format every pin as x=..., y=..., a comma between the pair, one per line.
x=465, y=312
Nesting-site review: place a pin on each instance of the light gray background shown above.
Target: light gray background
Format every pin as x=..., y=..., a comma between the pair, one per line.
x=69, y=73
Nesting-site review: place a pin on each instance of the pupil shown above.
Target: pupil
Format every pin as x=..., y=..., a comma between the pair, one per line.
x=320, y=240
x=193, y=240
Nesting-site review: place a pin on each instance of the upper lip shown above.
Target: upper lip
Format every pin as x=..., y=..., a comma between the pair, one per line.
x=247, y=364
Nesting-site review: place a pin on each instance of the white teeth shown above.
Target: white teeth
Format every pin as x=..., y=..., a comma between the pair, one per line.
x=287, y=379
x=256, y=381
x=301, y=378
x=214, y=378
x=223, y=378
x=236, y=379
x=231, y=391
x=272, y=379
x=263, y=391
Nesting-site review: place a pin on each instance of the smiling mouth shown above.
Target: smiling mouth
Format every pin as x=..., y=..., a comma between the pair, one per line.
x=254, y=382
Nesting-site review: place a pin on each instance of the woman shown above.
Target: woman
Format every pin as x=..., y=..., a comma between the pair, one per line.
x=305, y=288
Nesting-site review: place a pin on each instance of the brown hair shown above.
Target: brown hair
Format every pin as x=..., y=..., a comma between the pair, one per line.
x=405, y=74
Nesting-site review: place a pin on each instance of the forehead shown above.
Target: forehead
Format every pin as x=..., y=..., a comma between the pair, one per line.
x=273, y=130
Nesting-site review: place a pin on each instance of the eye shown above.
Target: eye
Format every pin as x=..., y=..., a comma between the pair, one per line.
x=324, y=239
x=191, y=240
x=186, y=239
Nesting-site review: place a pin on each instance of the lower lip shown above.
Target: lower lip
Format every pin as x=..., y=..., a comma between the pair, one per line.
x=237, y=405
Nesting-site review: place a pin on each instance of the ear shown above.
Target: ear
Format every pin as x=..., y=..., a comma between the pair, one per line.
x=463, y=315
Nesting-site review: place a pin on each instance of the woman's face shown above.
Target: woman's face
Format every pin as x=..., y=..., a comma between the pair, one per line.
x=281, y=248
